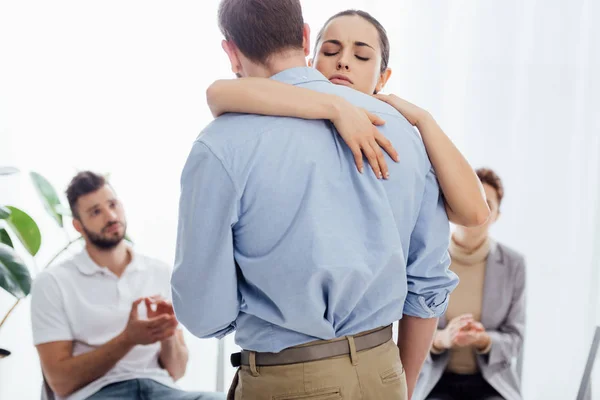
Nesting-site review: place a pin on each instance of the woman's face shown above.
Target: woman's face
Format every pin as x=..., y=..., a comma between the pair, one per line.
x=349, y=54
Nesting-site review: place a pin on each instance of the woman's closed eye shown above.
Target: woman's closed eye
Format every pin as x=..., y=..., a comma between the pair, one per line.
x=327, y=54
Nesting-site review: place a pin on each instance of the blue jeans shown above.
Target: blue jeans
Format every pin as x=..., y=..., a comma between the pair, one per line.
x=147, y=389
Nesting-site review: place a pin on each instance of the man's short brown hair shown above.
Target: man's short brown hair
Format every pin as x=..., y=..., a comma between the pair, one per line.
x=488, y=176
x=261, y=28
x=83, y=183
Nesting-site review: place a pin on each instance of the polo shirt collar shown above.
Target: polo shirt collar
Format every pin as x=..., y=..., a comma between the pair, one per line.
x=87, y=266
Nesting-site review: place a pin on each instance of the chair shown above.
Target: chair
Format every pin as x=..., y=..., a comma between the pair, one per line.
x=585, y=388
x=47, y=393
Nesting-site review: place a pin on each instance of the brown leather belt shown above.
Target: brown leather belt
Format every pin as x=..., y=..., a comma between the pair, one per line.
x=314, y=352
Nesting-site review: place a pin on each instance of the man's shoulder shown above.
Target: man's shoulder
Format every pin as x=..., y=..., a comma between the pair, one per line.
x=231, y=132
x=394, y=120
x=367, y=102
x=238, y=128
x=57, y=273
x=67, y=266
x=357, y=98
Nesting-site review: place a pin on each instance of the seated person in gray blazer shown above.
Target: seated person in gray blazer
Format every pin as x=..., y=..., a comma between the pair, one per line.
x=481, y=335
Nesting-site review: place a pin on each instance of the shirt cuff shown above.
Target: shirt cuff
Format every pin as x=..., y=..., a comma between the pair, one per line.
x=434, y=306
x=42, y=336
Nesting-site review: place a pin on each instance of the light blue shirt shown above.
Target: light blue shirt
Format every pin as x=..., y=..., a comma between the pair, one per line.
x=281, y=239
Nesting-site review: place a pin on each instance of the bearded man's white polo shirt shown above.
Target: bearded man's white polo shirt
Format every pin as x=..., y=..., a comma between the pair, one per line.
x=83, y=302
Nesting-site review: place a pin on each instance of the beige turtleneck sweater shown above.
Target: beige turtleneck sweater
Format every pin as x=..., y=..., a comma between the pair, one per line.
x=467, y=298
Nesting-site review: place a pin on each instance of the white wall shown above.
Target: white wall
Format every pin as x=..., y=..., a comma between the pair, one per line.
x=118, y=86
x=114, y=86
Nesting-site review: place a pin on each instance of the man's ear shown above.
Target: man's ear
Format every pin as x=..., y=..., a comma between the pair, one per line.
x=231, y=51
x=77, y=225
x=306, y=39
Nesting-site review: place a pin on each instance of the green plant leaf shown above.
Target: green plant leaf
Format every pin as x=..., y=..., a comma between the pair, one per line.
x=8, y=170
x=62, y=210
x=26, y=230
x=48, y=196
x=14, y=275
x=4, y=212
x=5, y=238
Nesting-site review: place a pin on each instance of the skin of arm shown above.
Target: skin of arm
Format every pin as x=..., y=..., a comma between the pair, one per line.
x=463, y=192
x=269, y=97
x=466, y=204
x=414, y=341
x=67, y=373
x=174, y=355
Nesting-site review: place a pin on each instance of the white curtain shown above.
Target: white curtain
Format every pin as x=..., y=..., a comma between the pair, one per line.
x=118, y=86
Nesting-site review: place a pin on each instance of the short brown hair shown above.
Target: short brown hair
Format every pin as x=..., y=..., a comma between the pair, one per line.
x=83, y=183
x=486, y=175
x=262, y=28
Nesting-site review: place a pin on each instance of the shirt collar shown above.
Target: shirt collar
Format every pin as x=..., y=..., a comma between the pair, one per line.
x=299, y=75
x=87, y=266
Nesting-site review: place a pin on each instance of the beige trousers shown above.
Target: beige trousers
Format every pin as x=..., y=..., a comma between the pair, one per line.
x=374, y=374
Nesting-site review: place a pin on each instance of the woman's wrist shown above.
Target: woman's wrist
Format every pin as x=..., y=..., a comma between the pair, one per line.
x=483, y=342
x=438, y=344
x=335, y=107
x=424, y=118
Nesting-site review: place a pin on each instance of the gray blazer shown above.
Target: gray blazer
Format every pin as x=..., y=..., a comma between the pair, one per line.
x=503, y=316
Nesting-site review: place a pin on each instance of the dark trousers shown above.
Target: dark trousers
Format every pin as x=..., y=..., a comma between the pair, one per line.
x=463, y=387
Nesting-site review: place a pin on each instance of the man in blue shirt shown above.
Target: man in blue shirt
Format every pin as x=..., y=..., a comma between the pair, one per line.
x=281, y=240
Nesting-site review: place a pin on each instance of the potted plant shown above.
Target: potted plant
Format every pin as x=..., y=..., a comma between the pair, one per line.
x=16, y=224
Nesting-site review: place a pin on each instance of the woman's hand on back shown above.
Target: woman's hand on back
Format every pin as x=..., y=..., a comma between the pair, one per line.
x=411, y=112
x=357, y=127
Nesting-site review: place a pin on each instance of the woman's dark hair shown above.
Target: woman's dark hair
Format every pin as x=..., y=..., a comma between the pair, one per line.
x=384, y=42
x=487, y=175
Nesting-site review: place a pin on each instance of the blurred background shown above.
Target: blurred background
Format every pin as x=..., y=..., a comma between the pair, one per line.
x=119, y=87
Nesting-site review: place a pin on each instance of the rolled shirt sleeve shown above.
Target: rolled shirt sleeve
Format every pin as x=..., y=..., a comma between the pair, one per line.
x=204, y=278
x=429, y=279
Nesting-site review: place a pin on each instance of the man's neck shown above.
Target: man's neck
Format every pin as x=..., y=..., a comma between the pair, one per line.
x=278, y=63
x=469, y=240
x=115, y=259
